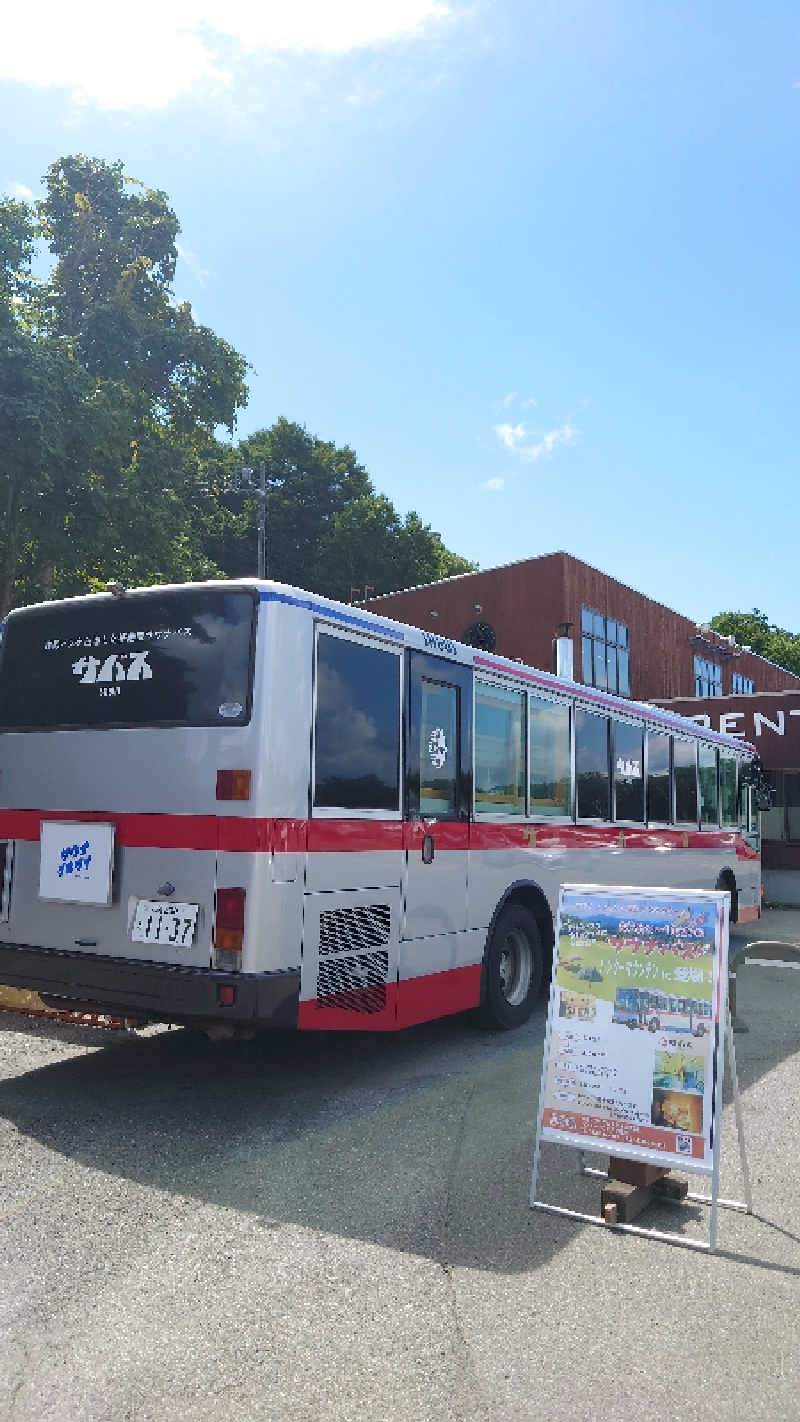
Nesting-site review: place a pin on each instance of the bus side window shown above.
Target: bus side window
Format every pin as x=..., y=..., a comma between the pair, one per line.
x=709, y=806
x=658, y=767
x=727, y=789
x=499, y=751
x=628, y=772
x=685, y=768
x=356, y=726
x=550, y=759
x=593, y=782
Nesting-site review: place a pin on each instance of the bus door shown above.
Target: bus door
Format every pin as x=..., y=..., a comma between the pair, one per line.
x=438, y=795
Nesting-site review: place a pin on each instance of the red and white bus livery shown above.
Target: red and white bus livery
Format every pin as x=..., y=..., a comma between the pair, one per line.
x=243, y=802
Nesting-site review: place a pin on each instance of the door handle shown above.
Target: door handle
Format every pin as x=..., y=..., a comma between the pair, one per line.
x=427, y=849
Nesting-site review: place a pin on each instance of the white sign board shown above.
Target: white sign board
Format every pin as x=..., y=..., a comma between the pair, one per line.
x=76, y=862
x=639, y=978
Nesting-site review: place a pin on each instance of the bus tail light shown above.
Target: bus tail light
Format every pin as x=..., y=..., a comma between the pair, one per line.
x=229, y=929
x=233, y=784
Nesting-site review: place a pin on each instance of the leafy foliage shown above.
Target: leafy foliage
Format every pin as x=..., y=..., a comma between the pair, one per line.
x=753, y=629
x=110, y=397
x=109, y=391
x=327, y=529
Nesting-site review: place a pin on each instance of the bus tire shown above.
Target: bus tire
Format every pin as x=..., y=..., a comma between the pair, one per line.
x=513, y=969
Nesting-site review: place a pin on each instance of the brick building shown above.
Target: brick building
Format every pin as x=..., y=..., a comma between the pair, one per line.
x=621, y=640
x=771, y=722
x=618, y=639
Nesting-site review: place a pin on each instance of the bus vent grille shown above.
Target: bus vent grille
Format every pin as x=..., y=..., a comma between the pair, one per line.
x=354, y=984
x=354, y=930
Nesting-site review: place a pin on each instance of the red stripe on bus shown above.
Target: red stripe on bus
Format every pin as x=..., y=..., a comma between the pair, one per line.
x=250, y=835
x=205, y=832
x=748, y=914
x=566, y=836
x=447, y=834
x=360, y=836
x=405, y=1004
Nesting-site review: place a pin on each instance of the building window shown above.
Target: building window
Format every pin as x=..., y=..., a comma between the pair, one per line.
x=741, y=685
x=605, y=652
x=707, y=677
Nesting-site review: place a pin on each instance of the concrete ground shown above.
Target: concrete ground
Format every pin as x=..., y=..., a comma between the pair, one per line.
x=338, y=1227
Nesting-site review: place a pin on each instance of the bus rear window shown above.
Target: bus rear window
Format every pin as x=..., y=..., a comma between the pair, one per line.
x=143, y=659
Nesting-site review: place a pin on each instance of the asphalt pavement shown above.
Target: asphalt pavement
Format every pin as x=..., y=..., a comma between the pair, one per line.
x=337, y=1227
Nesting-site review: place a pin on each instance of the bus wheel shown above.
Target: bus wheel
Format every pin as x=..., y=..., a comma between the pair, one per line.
x=513, y=969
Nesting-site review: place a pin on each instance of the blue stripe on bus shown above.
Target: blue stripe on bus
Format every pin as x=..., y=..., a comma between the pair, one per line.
x=320, y=607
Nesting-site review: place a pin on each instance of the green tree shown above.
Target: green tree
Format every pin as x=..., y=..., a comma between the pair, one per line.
x=327, y=528
x=753, y=629
x=109, y=390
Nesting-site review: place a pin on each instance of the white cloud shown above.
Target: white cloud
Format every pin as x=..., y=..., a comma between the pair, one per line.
x=21, y=192
x=514, y=437
x=509, y=399
x=495, y=483
x=565, y=434
x=123, y=58
x=199, y=272
x=510, y=435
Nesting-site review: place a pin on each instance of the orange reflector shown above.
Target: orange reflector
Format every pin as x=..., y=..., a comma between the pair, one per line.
x=226, y=995
x=233, y=784
x=228, y=940
x=229, y=921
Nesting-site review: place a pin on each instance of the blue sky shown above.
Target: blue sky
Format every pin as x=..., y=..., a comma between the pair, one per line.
x=537, y=262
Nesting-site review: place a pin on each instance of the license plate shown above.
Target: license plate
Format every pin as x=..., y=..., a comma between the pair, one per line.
x=158, y=922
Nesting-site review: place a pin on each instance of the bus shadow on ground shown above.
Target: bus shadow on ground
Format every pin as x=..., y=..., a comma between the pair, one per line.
x=419, y=1141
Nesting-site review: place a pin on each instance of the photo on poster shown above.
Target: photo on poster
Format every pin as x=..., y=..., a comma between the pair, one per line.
x=576, y=1004
x=679, y=1110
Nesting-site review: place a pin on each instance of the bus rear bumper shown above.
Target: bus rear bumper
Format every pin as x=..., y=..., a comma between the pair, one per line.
x=157, y=991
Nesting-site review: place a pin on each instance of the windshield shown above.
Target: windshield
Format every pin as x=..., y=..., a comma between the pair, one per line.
x=181, y=657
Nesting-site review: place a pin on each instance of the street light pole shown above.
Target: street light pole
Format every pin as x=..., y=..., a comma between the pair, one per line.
x=262, y=519
x=244, y=474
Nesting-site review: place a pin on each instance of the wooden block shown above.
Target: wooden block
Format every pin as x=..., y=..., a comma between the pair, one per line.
x=635, y=1172
x=610, y=1214
x=671, y=1187
x=629, y=1200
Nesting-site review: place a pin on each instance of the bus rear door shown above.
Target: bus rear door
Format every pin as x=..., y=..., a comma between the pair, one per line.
x=438, y=796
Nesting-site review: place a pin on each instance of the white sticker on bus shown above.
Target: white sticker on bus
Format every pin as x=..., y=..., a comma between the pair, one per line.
x=91, y=670
x=437, y=747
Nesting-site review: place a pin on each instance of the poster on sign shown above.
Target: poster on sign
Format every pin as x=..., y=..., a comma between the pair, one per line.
x=638, y=993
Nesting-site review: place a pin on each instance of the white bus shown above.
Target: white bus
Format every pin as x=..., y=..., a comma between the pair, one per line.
x=241, y=802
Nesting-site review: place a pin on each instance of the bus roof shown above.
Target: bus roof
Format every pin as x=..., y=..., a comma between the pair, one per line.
x=360, y=619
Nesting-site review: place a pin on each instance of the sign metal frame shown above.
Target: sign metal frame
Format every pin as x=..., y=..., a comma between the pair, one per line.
x=723, y=1054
